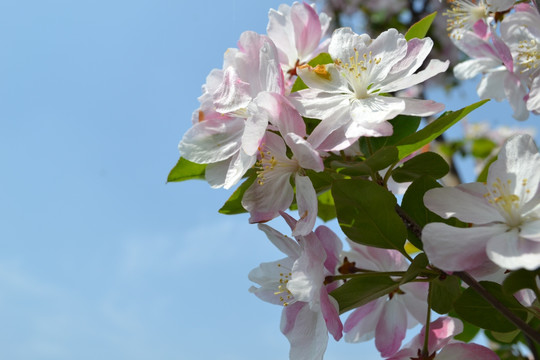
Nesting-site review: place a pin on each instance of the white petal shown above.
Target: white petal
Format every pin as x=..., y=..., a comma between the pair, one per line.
x=211, y=141
x=434, y=67
x=465, y=202
x=531, y=230
x=307, y=205
x=458, y=249
x=512, y=252
x=323, y=77
x=284, y=243
x=303, y=151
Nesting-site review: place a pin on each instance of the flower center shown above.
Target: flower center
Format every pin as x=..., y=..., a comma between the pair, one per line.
x=271, y=166
x=500, y=196
x=358, y=72
x=285, y=296
x=464, y=14
x=528, y=54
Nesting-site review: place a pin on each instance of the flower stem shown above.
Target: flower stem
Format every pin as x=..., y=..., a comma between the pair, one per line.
x=520, y=324
x=425, y=349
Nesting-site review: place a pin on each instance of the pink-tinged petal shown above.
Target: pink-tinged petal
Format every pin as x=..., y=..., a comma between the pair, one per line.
x=281, y=113
x=465, y=202
x=512, y=252
x=434, y=67
x=308, y=335
x=281, y=31
x=233, y=93
x=211, y=141
x=444, y=244
x=332, y=245
x=418, y=107
x=303, y=151
x=323, y=77
x=308, y=273
x=530, y=230
x=240, y=164
x=327, y=127
x=441, y=332
x=481, y=29
x=473, y=45
x=391, y=329
x=329, y=310
x=503, y=52
x=361, y=324
x=335, y=141
x=270, y=73
x=306, y=198
x=307, y=28
x=415, y=301
x=460, y=351
x=417, y=51
x=284, y=243
x=265, y=199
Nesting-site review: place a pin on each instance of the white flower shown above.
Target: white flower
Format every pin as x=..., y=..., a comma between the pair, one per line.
x=505, y=214
x=350, y=96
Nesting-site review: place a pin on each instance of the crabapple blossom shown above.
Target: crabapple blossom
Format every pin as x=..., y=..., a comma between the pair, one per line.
x=386, y=318
x=298, y=32
x=466, y=14
x=238, y=105
x=349, y=94
x=273, y=192
x=441, y=332
x=297, y=283
x=504, y=212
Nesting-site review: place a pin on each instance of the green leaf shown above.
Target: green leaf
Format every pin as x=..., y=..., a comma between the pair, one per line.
x=428, y=163
x=506, y=337
x=413, y=142
x=419, y=263
x=420, y=28
x=321, y=59
x=186, y=170
x=403, y=126
x=444, y=291
x=327, y=207
x=482, y=147
x=472, y=307
x=413, y=205
x=520, y=279
x=233, y=205
x=366, y=214
x=469, y=330
x=361, y=290
x=381, y=159
x=482, y=177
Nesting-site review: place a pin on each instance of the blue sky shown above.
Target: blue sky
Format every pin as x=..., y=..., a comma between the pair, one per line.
x=99, y=257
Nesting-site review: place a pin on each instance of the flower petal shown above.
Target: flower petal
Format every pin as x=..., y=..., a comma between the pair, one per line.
x=391, y=328
x=306, y=198
x=465, y=202
x=444, y=245
x=459, y=351
x=512, y=252
x=284, y=243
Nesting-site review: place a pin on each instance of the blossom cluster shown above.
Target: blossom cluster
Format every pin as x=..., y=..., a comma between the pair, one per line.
x=304, y=118
x=505, y=52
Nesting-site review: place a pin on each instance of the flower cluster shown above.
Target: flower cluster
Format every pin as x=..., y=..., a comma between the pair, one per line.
x=505, y=52
x=326, y=124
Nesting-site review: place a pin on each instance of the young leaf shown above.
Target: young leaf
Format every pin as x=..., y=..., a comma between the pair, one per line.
x=366, y=214
x=420, y=28
x=327, y=207
x=428, y=163
x=415, y=141
x=186, y=170
x=361, y=290
x=444, y=291
x=472, y=307
x=419, y=263
x=233, y=205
